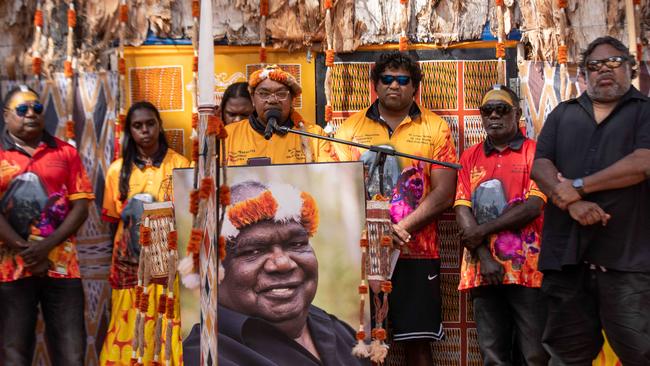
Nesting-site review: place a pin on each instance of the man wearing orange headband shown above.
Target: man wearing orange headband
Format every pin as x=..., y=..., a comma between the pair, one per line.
x=498, y=209
x=44, y=195
x=271, y=276
x=273, y=91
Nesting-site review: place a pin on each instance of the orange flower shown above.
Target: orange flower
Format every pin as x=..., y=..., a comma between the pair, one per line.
x=38, y=18
x=161, y=304
x=37, y=64
x=264, y=8
x=172, y=240
x=195, y=241
x=170, y=308
x=363, y=289
x=222, y=247
x=121, y=66
x=263, y=55
x=207, y=187
x=361, y=335
x=224, y=195
x=386, y=241
x=328, y=113
x=329, y=58
x=124, y=13
x=196, y=9
x=67, y=69
x=145, y=236
x=501, y=50
x=386, y=287
x=69, y=130
x=562, y=54
x=72, y=18
x=194, y=202
x=403, y=43
x=363, y=242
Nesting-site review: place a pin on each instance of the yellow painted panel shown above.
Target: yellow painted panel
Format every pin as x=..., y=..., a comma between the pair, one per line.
x=163, y=74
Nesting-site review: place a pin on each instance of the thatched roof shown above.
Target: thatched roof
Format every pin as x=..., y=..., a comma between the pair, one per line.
x=298, y=24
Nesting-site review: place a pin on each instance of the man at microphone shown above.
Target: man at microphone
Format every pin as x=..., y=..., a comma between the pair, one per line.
x=273, y=91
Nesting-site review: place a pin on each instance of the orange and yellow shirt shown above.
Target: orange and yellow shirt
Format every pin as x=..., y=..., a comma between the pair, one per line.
x=421, y=133
x=35, y=196
x=518, y=250
x=154, y=180
x=244, y=142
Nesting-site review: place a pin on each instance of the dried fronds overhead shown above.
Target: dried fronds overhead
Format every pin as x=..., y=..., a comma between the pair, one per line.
x=299, y=24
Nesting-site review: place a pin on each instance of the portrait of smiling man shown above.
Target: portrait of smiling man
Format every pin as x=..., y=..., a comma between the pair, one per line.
x=265, y=310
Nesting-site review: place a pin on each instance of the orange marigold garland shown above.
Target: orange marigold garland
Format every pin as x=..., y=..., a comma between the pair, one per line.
x=224, y=195
x=195, y=151
x=329, y=58
x=38, y=18
x=37, y=64
x=194, y=244
x=124, y=13
x=207, y=187
x=328, y=4
x=403, y=43
x=69, y=130
x=562, y=4
x=562, y=52
x=196, y=9
x=194, y=202
x=222, y=247
x=263, y=57
x=67, y=68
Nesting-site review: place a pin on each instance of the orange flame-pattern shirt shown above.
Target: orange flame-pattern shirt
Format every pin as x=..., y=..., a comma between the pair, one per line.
x=421, y=133
x=61, y=179
x=517, y=251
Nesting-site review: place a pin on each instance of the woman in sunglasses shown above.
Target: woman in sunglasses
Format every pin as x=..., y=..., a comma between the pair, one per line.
x=142, y=175
x=44, y=196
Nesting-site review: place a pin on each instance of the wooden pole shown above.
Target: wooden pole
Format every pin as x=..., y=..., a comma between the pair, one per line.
x=631, y=33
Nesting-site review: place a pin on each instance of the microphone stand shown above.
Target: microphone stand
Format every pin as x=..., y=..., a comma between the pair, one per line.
x=378, y=149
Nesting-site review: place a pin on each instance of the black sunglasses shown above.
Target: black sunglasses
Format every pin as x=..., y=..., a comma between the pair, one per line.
x=21, y=109
x=611, y=62
x=500, y=108
x=402, y=80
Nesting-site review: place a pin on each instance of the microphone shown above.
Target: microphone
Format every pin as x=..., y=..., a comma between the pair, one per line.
x=272, y=117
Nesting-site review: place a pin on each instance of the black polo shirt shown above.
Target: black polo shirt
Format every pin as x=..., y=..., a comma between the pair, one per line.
x=245, y=340
x=578, y=147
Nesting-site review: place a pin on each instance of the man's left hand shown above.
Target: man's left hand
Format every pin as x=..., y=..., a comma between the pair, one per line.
x=472, y=237
x=400, y=235
x=36, y=252
x=564, y=194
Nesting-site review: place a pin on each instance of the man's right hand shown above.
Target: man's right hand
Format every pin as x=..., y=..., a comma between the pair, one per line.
x=588, y=213
x=491, y=271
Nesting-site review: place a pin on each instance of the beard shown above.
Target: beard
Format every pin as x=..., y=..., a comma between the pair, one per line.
x=608, y=93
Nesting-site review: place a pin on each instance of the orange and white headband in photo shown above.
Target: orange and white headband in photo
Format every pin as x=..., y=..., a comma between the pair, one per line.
x=280, y=203
x=275, y=73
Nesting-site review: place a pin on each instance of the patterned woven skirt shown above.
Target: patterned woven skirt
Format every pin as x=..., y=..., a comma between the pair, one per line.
x=117, y=348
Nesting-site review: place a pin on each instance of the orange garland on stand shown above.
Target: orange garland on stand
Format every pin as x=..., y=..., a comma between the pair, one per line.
x=329, y=63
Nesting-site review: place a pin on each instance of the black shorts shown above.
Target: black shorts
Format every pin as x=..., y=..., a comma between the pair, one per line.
x=415, y=304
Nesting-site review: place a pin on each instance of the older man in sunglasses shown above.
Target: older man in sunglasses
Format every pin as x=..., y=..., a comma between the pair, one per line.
x=593, y=161
x=256, y=140
x=418, y=193
x=44, y=195
x=498, y=209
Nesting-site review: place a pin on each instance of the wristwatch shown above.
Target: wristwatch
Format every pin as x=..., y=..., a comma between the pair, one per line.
x=579, y=185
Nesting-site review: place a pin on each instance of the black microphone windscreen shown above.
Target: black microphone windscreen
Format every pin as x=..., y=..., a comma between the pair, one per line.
x=273, y=114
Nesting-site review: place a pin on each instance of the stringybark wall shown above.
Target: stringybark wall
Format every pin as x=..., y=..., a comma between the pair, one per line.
x=299, y=24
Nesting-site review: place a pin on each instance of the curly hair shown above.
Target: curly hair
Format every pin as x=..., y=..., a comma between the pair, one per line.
x=618, y=45
x=397, y=60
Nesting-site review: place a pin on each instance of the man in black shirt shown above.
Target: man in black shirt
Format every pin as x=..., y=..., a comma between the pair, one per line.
x=592, y=160
x=271, y=275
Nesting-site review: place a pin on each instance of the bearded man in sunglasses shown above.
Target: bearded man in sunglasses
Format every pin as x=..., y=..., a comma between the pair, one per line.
x=498, y=209
x=593, y=161
x=44, y=195
x=418, y=193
